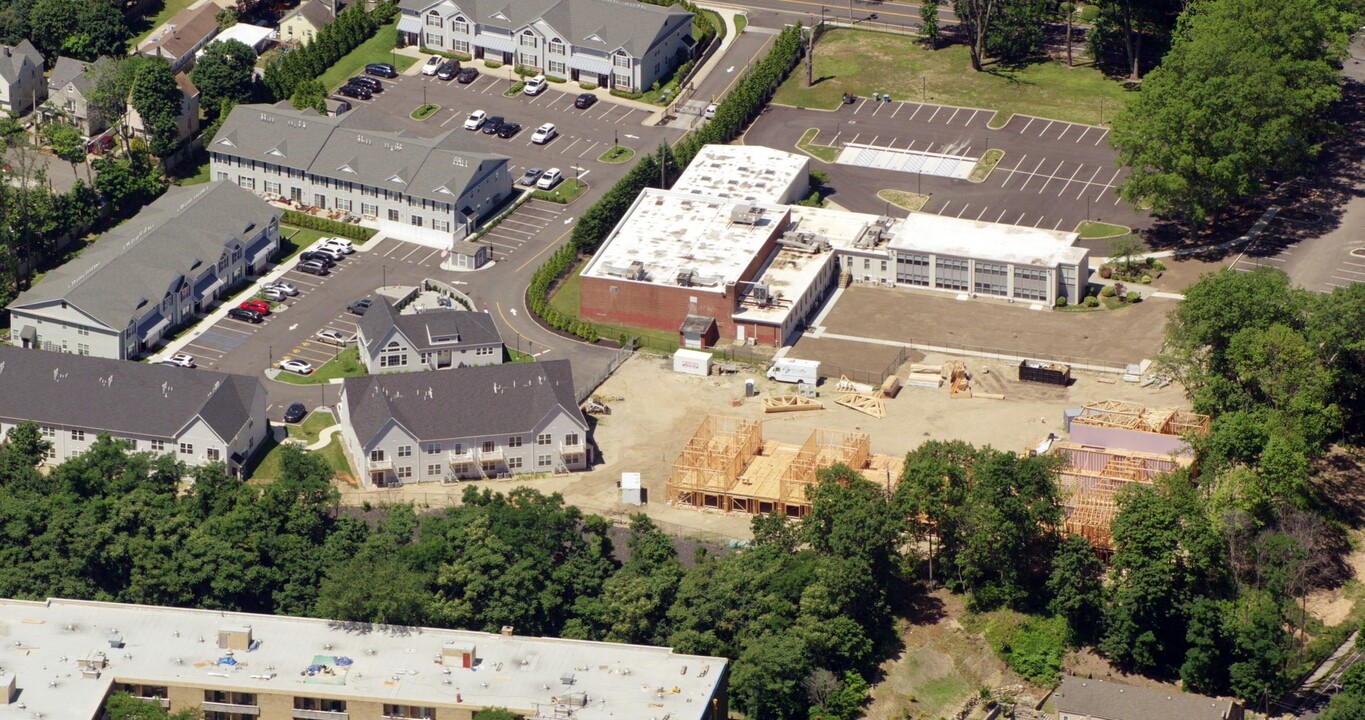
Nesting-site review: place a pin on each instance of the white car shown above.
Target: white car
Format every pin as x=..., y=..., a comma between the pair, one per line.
x=543, y=134
x=709, y=112
x=475, y=120
x=333, y=337
x=287, y=288
x=433, y=64
x=183, y=360
x=274, y=294
x=550, y=179
x=296, y=366
x=535, y=85
x=337, y=244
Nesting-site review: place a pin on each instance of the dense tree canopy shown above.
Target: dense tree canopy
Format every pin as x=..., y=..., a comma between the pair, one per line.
x=226, y=71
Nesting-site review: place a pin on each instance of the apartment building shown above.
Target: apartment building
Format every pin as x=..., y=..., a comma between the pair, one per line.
x=392, y=341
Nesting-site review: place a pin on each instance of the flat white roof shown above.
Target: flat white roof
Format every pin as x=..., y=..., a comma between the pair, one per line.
x=45, y=643
x=743, y=172
x=245, y=33
x=666, y=233
x=928, y=233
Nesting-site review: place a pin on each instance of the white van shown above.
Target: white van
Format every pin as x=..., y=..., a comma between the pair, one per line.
x=790, y=370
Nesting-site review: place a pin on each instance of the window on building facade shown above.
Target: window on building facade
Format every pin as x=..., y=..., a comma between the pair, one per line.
x=557, y=46
x=514, y=441
x=376, y=456
x=1030, y=284
x=272, y=187
x=434, y=40
x=462, y=27
x=950, y=274
x=398, y=359
x=543, y=439
x=433, y=448
x=78, y=435
x=571, y=439
x=404, y=451
x=368, y=209
x=220, y=175
x=82, y=349
x=158, y=445
x=404, y=472
x=393, y=214
x=489, y=446
x=246, y=182
x=484, y=351
x=320, y=200
x=556, y=67
x=528, y=40
x=343, y=204
x=417, y=220
x=214, y=454
x=621, y=61
x=49, y=431
x=991, y=279
x=544, y=460
x=186, y=448
x=514, y=463
x=442, y=225
x=434, y=470
x=528, y=59
x=434, y=19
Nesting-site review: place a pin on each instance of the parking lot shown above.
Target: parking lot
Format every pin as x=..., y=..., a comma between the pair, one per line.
x=1054, y=174
x=1317, y=260
x=522, y=227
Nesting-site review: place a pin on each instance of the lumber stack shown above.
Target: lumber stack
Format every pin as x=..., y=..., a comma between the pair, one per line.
x=790, y=403
x=927, y=376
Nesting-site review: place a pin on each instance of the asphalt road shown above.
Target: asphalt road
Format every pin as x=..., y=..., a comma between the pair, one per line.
x=776, y=13
x=1054, y=175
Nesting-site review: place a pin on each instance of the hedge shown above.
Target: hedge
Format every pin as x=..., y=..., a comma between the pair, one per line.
x=352, y=27
x=733, y=114
x=313, y=222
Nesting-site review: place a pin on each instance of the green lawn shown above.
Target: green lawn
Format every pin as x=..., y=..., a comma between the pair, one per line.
x=425, y=111
x=862, y=63
x=807, y=144
x=1091, y=230
x=985, y=165
x=168, y=10
x=565, y=300
x=268, y=466
x=196, y=174
x=344, y=365
x=913, y=202
x=565, y=192
x=516, y=356
x=378, y=48
x=294, y=239
x=717, y=22
x=616, y=155
x=741, y=22
x=312, y=426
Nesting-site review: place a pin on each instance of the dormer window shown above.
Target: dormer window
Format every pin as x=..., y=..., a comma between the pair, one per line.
x=528, y=39
x=557, y=46
x=434, y=19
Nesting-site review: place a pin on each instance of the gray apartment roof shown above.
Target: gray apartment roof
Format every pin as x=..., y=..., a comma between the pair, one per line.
x=1112, y=701
x=349, y=148
x=466, y=402
x=120, y=397
x=472, y=328
x=136, y=262
x=12, y=60
x=600, y=24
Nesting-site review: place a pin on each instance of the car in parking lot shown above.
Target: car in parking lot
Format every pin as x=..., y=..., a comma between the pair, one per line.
x=359, y=92
x=359, y=307
x=256, y=305
x=535, y=85
x=530, y=177
x=245, y=315
x=333, y=337
x=367, y=82
x=296, y=413
x=550, y=179
x=285, y=287
x=467, y=75
x=585, y=101
x=493, y=124
x=182, y=360
x=312, y=268
x=293, y=365
x=329, y=252
x=448, y=70
x=318, y=256
x=273, y=294
x=432, y=64
x=508, y=129
x=543, y=134
x=475, y=120
x=383, y=70
x=709, y=112
x=337, y=244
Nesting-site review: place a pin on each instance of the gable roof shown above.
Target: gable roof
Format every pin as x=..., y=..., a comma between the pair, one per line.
x=317, y=12
x=1113, y=701
x=184, y=32
x=137, y=261
x=83, y=391
x=349, y=148
x=13, y=57
x=467, y=402
x=472, y=328
x=78, y=73
x=599, y=24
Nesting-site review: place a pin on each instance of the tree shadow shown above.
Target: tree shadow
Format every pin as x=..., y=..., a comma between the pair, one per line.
x=823, y=78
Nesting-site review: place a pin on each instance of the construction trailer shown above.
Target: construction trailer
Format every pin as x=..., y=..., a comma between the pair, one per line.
x=728, y=466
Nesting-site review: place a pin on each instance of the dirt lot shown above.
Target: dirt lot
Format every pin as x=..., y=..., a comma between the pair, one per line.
x=1113, y=337
x=655, y=410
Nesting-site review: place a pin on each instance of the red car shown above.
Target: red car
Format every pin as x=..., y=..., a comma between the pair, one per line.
x=256, y=305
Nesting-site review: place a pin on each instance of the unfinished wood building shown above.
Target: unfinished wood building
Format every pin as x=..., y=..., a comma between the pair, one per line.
x=1118, y=424
x=727, y=466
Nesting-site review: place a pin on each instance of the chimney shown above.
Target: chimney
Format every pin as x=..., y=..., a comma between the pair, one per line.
x=7, y=681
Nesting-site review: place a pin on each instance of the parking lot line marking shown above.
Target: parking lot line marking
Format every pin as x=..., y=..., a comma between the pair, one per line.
x=1086, y=186
x=879, y=109
x=1350, y=272
x=1058, y=225
x=1002, y=215
x=860, y=106
x=936, y=109
x=1040, y=221
x=1010, y=175
x=510, y=219
x=1031, y=175
x=396, y=247
x=963, y=210
x=1049, y=126
x=973, y=117
x=575, y=142
x=918, y=107
x=1336, y=285
x=899, y=105
x=1073, y=177
x=874, y=139
x=855, y=139
x=491, y=82
x=1030, y=122
x=452, y=117
x=610, y=109
x=1020, y=221
x=954, y=115
x=1352, y=264
x=622, y=119
x=945, y=207
x=983, y=212
x=1083, y=133
x=410, y=254
x=424, y=260
x=588, y=149
x=1101, y=137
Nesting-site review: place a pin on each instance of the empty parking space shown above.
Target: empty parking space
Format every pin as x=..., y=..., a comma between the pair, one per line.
x=522, y=227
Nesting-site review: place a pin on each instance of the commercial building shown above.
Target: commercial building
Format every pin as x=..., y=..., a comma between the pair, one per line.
x=724, y=247
x=471, y=423
x=392, y=341
x=71, y=655
x=176, y=258
x=196, y=416
x=182, y=36
x=1083, y=699
x=622, y=45
x=21, y=78
x=432, y=191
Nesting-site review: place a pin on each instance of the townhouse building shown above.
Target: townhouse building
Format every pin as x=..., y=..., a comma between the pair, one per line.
x=392, y=341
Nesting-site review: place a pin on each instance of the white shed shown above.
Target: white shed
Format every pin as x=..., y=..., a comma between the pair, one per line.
x=250, y=35
x=692, y=362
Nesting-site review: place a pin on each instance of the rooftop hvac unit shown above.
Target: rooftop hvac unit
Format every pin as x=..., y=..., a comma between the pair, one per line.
x=746, y=214
x=705, y=279
x=806, y=242
x=761, y=294
x=633, y=271
x=685, y=277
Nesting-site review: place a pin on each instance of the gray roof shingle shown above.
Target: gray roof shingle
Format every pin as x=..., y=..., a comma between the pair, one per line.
x=12, y=59
x=120, y=397
x=137, y=261
x=634, y=26
x=1112, y=701
x=463, y=403
x=317, y=12
x=184, y=32
x=472, y=328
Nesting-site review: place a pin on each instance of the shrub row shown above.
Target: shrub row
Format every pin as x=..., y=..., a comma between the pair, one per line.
x=313, y=222
x=462, y=57
x=539, y=290
x=699, y=18
x=352, y=27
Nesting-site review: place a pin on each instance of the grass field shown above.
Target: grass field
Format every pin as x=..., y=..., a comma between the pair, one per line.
x=1091, y=230
x=862, y=63
x=807, y=145
x=268, y=467
x=294, y=239
x=565, y=192
x=616, y=155
x=200, y=174
x=425, y=111
x=985, y=165
x=741, y=22
x=346, y=364
x=565, y=300
x=312, y=426
x=904, y=199
x=378, y=48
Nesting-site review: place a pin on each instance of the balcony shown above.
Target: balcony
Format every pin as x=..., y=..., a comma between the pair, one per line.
x=165, y=703
x=491, y=456
x=320, y=715
x=571, y=449
x=230, y=708
x=461, y=457
x=378, y=465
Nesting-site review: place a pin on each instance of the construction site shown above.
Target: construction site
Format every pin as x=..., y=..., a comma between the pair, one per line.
x=727, y=465
x=1115, y=443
